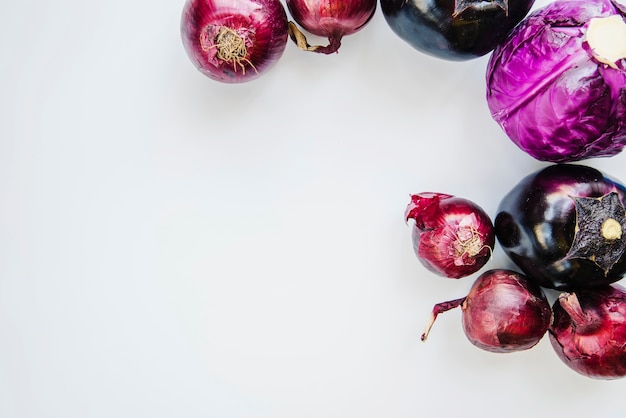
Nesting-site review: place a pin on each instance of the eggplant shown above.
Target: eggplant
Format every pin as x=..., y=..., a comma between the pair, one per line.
x=564, y=227
x=455, y=30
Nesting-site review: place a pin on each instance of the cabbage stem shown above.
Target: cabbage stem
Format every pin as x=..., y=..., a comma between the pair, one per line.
x=606, y=36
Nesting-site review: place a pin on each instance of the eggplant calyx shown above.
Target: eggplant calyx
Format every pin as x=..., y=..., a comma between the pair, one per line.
x=483, y=5
x=599, y=232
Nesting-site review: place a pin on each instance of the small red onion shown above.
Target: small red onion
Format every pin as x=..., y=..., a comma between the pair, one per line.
x=589, y=331
x=502, y=313
x=234, y=41
x=333, y=19
x=452, y=236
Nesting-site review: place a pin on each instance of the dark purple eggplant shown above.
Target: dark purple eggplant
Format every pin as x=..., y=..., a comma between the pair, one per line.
x=456, y=30
x=564, y=227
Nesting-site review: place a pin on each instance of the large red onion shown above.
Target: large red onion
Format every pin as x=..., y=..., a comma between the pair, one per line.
x=452, y=237
x=332, y=19
x=502, y=313
x=589, y=331
x=234, y=41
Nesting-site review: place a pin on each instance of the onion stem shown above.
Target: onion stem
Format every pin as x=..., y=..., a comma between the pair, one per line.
x=469, y=242
x=300, y=40
x=570, y=303
x=437, y=309
x=231, y=47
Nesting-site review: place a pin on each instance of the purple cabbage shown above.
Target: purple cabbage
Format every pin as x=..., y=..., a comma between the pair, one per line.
x=551, y=92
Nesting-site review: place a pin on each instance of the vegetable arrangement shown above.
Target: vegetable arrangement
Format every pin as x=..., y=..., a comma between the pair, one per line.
x=556, y=84
x=235, y=41
x=564, y=227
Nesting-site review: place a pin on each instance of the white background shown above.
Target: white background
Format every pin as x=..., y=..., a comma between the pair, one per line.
x=175, y=247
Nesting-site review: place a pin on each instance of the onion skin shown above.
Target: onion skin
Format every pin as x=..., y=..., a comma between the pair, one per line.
x=261, y=25
x=452, y=237
x=455, y=30
x=548, y=92
x=332, y=19
x=589, y=331
x=543, y=229
x=503, y=312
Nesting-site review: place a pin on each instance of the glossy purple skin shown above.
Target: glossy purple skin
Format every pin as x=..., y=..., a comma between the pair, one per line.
x=536, y=221
x=455, y=30
x=335, y=18
x=261, y=23
x=504, y=312
x=452, y=237
x=594, y=343
x=553, y=99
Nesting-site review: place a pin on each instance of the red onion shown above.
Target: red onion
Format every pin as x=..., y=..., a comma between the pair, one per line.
x=234, y=41
x=502, y=313
x=333, y=19
x=452, y=236
x=589, y=331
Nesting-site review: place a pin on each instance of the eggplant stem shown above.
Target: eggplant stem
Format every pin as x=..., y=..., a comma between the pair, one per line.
x=300, y=40
x=437, y=309
x=611, y=229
